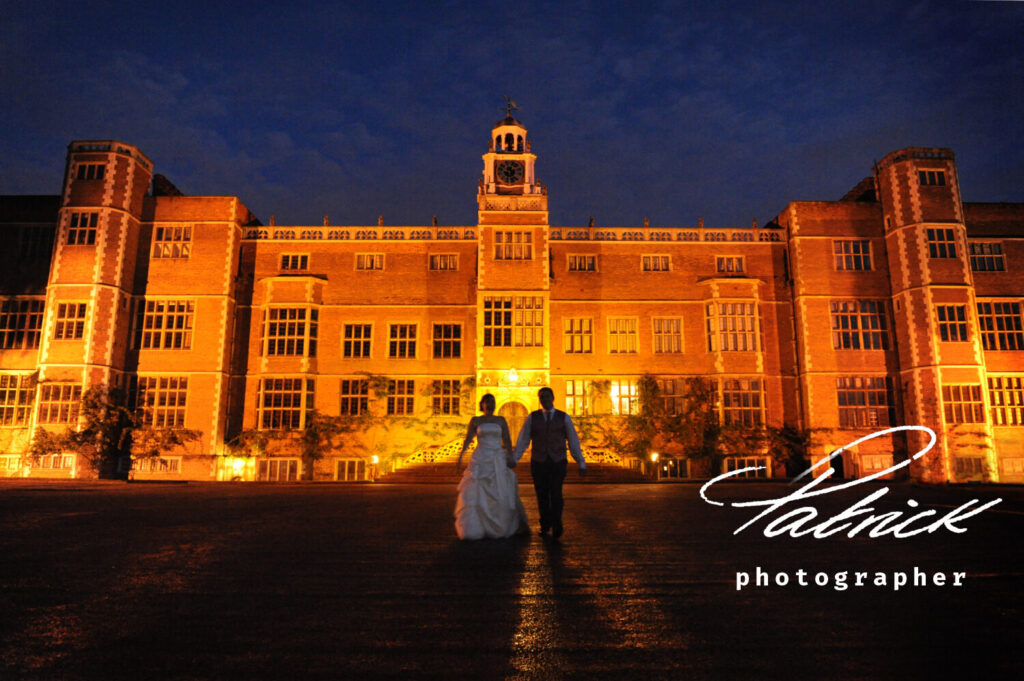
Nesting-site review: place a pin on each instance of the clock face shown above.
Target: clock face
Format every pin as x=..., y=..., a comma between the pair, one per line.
x=509, y=172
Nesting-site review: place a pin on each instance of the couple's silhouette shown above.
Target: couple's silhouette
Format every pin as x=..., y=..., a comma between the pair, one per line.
x=488, y=504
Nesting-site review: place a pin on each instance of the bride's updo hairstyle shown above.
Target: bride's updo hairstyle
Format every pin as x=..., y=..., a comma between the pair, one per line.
x=487, y=404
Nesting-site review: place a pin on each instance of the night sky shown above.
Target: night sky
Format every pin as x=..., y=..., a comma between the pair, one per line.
x=720, y=110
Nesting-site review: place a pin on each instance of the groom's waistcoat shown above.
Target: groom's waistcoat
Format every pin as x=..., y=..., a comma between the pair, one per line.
x=547, y=439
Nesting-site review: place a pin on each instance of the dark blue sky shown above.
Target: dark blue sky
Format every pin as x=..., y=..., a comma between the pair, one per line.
x=723, y=110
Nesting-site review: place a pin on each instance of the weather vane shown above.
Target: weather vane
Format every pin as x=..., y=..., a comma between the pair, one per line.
x=510, y=105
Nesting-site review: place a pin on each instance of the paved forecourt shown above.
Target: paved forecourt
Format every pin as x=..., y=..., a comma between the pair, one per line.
x=216, y=581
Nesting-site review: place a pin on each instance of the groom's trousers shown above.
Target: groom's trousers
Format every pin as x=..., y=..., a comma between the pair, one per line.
x=548, y=476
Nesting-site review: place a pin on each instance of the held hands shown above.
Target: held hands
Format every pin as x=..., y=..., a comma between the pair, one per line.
x=509, y=461
x=583, y=472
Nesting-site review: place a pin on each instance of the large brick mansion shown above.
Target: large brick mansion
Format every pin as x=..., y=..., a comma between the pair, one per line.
x=898, y=304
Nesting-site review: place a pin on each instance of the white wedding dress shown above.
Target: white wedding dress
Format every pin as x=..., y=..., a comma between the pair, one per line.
x=488, y=503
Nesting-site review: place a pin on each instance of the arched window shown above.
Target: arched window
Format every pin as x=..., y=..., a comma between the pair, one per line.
x=519, y=143
x=497, y=142
x=510, y=141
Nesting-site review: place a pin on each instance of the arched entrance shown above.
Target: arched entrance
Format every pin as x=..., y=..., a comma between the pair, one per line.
x=515, y=413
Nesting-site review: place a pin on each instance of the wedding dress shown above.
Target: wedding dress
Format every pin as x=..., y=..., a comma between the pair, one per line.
x=488, y=503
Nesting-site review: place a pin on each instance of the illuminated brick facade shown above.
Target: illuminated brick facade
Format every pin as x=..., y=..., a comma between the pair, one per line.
x=898, y=304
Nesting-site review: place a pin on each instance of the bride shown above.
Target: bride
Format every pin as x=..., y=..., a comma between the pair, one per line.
x=488, y=503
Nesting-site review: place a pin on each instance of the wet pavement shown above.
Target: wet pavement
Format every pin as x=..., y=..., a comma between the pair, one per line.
x=297, y=581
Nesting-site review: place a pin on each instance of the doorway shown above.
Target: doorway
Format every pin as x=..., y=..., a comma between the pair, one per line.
x=515, y=413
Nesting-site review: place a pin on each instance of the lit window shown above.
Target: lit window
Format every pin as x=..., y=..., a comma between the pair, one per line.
x=517, y=320
x=852, y=255
x=737, y=463
x=285, y=403
x=55, y=461
x=444, y=262
x=742, y=402
x=291, y=331
x=932, y=178
x=70, y=321
x=729, y=264
x=82, y=230
x=941, y=243
x=578, y=335
x=369, y=261
x=278, y=470
x=1006, y=395
x=952, y=322
x=986, y=256
x=528, y=321
x=447, y=341
x=160, y=400
x=357, y=339
x=445, y=398
x=402, y=341
x=962, y=404
x=863, y=401
x=625, y=396
x=355, y=396
x=350, y=470
x=655, y=263
x=732, y=327
x=401, y=397
x=157, y=464
x=294, y=262
x=582, y=263
x=90, y=171
x=1000, y=324
x=622, y=335
x=859, y=324
x=668, y=334
x=21, y=323
x=577, y=397
x=16, y=395
x=58, y=402
x=513, y=245
x=164, y=324
x=172, y=241
x=968, y=466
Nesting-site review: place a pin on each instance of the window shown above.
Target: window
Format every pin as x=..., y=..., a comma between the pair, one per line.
x=161, y=400
x=444, y=262
x=734, y=325
x=577, y=397
x=968, y=466
x=655, y=263
x=932, y=178
x=17, y=392
x=90, y=171
x=172, y=241
x=986, y=256
x=291, y=331
x=284, y=403
x=625, y=395
x=355, y=394
x=622, y=335
x=852, y=255
x=447, y=341
x=401, y=397
x=952, y=322
x=582, y=263
x=859, y=324
x=157, y=464
x=58, y=402
x=294, y=262
x=941, y=243
x=863, y=401
x=741, y=402
x=445, y=398
x=369, y=261
x=517, y=320
x=402, y=341
x=736, y=463
x=350, y=470
x=672, y=395
x=278, y=470
x=668, y=334
x=70, y=321
x=1000, y=324
x=962, y=404
x=21, y=323
x=729, y=264
x=82, y=231
x=55, y=461
x=513, y=245
x=164, y=324
x=1006, y=395
x=578, y=335
x=356, y=342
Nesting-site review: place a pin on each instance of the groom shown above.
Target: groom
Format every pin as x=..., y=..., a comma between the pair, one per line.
x=548, y=431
